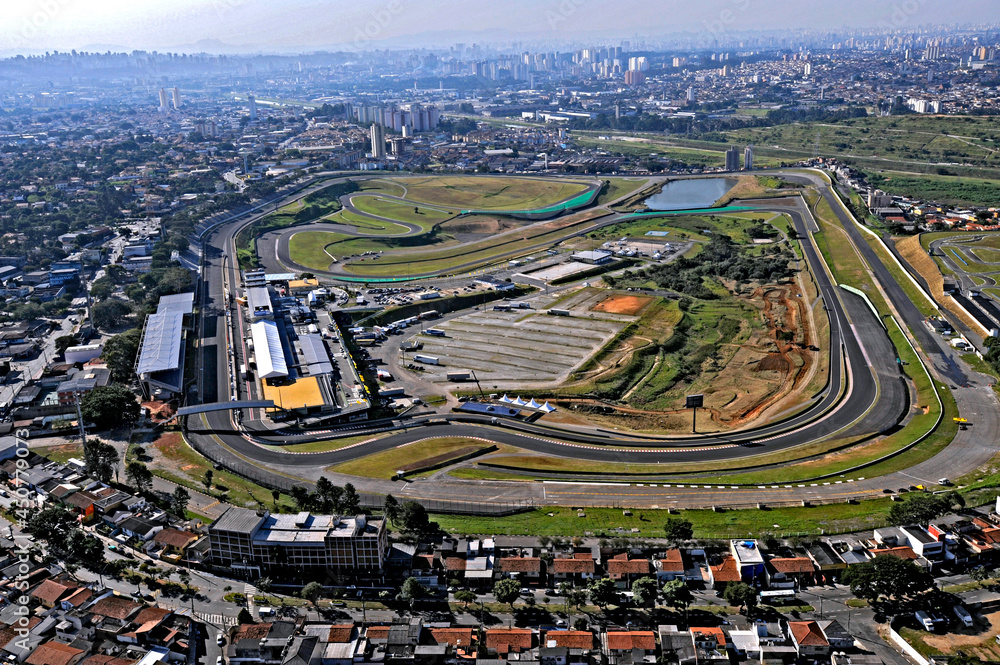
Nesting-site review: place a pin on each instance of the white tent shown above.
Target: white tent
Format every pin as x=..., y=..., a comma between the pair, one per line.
x=506, y=400
x=547, y=408
x=533, y=404
x=519, y=402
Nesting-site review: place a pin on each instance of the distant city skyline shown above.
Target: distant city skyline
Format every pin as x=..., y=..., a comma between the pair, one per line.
x=291, y=25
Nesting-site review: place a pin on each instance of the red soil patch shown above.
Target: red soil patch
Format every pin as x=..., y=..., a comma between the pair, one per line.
x=622, y=304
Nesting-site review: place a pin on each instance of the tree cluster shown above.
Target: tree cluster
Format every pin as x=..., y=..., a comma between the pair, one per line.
x=922, y=508
x=65, y=541
x=327, y=498
x=720, y=258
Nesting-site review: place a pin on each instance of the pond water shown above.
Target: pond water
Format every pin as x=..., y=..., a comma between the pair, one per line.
x=690, y=193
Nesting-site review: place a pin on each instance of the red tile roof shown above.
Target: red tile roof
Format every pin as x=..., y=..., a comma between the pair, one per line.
x=901, y=552
x=619, y=567
x=727, y=571
x=148, y=614
x=633, y=639
x=456, y=637
x=377, y=632
x=53, y=653
x=454, y=563
x=103, y=659
x=115, y=607
x=704, y=633
x=793, y=565
x=252, y=631
x=505, y=640
x=571, y=639
x=573, y=565
x=51, y=591
x=672, y=562
x=807, y=633
x=175, y=538
x=521, y=564
x=340, y=633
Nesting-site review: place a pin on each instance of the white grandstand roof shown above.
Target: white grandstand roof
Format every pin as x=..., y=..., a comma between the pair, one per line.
x=161, y=345
x=267, y=347
x=180, y=302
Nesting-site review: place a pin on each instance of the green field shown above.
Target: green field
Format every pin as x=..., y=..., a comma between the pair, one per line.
x=953, y=190
x=423, y=216
x=603, y=522
x=465, y=192
x=386, y=463
x=617, y=188
x=306, y=248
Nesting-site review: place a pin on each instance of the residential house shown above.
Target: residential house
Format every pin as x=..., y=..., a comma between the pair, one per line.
x=828, y=563
x=749, y=560
x=789, y=572
x=55, y=653
x=50, y=592
x=808, y=639
x=673, y=565
x=527, y=569
x=624, y=571
x=923, y=543
x=173, y=543
x=634, y=646
x=505, y=641
x=722, y=573
x=677, y=645
x=579, y=569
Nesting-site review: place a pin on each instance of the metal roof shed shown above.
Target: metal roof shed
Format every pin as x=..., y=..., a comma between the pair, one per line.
x=179, y=302
x=267, y=345
x=161, y=343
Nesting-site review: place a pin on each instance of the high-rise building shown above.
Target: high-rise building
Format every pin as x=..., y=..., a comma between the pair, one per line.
x=378, y=141
x=748, y=158
x=690, y=95
x=634, y=78
x=163, y=100
x=807, y=69
x=177, y=99
x=733, y=159
x=252, y=101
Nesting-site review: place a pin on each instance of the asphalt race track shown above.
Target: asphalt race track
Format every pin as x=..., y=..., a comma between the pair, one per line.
x=875, y=400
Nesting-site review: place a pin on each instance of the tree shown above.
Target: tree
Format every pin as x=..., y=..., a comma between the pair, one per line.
x=413, y=517
x=109, y=313
x=741, y=594
x=677, y=529
x=63, y=342
x=244, y=616
x=66, y=543
x=412, y=591
x=206, y=480
x=507, y=591
x=919, y=509
x=465, y=596
x=677, y=594
x=644, y=591
x=179, y=501
x=139, y=476
x=119, y=354
x=887, y=577
x=350, y=502
x=603, y=592
x=390, y=508
x=276, y=495
x=263, y=584
x=100, y=458
x=980, y=573
x=311, y=592
x=110, y=407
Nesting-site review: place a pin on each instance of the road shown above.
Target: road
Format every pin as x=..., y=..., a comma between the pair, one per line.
x=867, y=363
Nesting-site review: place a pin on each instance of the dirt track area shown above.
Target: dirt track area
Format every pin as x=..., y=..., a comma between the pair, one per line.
x=980, y=643
x=622, y=304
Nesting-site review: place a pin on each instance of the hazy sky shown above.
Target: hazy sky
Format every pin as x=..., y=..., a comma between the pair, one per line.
x=287, y=25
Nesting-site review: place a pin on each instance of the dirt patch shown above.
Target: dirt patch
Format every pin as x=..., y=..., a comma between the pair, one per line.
x=772, y=362
x=980, y=644
x=622, y=304
x=160, y=411
x=480, y=225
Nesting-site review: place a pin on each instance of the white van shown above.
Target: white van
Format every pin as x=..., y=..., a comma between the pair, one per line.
x=963, y=615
